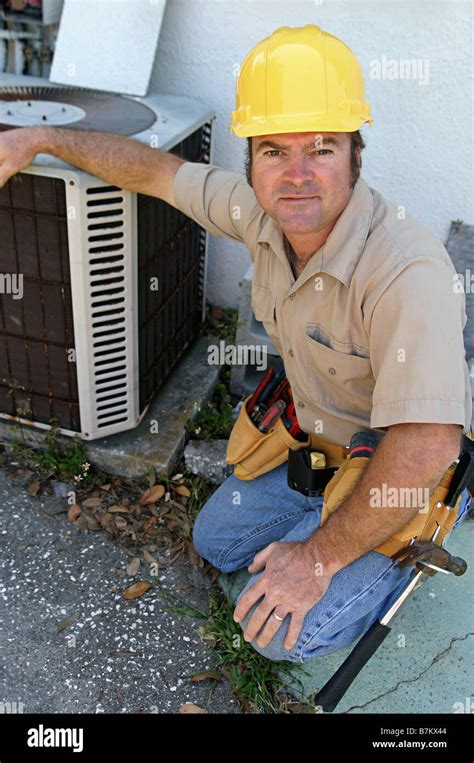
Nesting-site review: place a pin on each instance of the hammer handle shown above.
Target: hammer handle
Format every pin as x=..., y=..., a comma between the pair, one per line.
x=332, y=692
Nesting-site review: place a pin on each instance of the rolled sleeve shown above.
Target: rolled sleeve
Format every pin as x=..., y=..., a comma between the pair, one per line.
x=417, y=349
x=220, y=201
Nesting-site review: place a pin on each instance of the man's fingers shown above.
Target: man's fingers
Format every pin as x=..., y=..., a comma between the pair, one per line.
x=258, y=619
x=296, y=623
x=254, y=593
x=260, y=559
x=5, y=174
x=271, y=627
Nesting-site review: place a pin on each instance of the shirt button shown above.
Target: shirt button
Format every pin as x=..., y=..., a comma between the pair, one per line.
x=300, y=404
x=291, y=353
x=292, y=295
x=332, y=370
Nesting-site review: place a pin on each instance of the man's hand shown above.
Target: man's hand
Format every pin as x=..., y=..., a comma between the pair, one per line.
x=18, y=148
x=115, y=159
x=292, y=583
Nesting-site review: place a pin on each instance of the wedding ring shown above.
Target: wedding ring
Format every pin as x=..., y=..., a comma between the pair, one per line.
x=278, y=616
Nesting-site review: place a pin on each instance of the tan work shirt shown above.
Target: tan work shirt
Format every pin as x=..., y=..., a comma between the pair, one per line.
x=371, y=331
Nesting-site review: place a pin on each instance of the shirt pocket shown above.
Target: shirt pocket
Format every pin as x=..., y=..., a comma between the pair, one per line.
x=340, y=380
x=264, y=310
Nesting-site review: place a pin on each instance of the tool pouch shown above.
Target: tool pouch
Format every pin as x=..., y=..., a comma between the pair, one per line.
x=421, y=526
x=255, y=452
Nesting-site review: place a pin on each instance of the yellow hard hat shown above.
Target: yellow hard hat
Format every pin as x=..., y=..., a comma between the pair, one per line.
x=299, y=79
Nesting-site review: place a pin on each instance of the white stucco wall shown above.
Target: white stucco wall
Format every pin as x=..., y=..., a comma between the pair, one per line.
x=420, y=148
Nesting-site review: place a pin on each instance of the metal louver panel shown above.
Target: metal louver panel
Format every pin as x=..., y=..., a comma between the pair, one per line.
x=109, y=283
x=36, y=380
x=172, y=249
x=102, y=240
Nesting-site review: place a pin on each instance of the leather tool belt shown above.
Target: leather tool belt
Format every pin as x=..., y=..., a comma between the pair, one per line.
x=255, y=452
x=337, y=484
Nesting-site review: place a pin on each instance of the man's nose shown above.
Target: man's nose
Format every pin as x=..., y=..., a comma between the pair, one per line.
x=298, y=170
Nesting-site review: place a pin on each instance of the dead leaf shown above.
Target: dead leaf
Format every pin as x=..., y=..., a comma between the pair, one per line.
x=120, y=522
x=183, y=490
x=91, y=503
x=208, y=637
x=133, y=566
x=196, y=561
x=66, y=623
x=106, y=487
x=105, y=520
x=33, y=487
x=152, y=495
x=126, y=654
x=10, y=475
x=189, y=708
x=74, y=512
x=92, y=523
x=135, y=590
x=118, y=508
x=301, y=708
x=148, y=557
x=206, y=675
x=218, y=312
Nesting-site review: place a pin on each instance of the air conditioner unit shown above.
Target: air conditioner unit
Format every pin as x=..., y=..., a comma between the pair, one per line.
x=113, y=281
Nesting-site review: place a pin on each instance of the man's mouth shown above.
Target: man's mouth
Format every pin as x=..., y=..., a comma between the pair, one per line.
x=297, y=198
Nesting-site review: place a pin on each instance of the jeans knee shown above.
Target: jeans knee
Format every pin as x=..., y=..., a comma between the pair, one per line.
x=274, y=650
x=201, y=537
x=206, y=540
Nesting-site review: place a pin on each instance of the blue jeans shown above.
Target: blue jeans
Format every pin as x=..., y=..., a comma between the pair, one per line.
x=242, y=517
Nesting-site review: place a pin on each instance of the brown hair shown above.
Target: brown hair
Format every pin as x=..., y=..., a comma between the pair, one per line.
x=357, y=141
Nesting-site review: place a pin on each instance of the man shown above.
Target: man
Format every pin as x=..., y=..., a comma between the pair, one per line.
x=358, y=298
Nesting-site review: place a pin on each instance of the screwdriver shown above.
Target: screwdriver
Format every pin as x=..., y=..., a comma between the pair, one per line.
x=273, y=413
x=279, y=392
x=274, y=383
x=266, y=379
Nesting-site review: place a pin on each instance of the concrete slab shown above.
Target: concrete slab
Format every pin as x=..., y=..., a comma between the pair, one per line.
x=425, y=664
x=129, y=454
x=250, y=332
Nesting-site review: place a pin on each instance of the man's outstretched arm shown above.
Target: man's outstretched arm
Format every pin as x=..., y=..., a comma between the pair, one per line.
x=116, y=159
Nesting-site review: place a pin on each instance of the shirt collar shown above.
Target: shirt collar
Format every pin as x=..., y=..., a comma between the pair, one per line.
x=343, y=247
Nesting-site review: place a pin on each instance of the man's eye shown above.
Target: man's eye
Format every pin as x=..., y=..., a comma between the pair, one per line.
x=274, y=151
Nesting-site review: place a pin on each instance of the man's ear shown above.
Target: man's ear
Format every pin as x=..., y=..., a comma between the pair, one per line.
x=358, y=156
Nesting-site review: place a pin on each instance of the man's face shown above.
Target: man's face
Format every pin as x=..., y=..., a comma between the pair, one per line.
x=302, y=180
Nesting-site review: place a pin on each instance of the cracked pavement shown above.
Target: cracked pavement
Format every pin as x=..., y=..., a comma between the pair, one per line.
x=425, y=663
